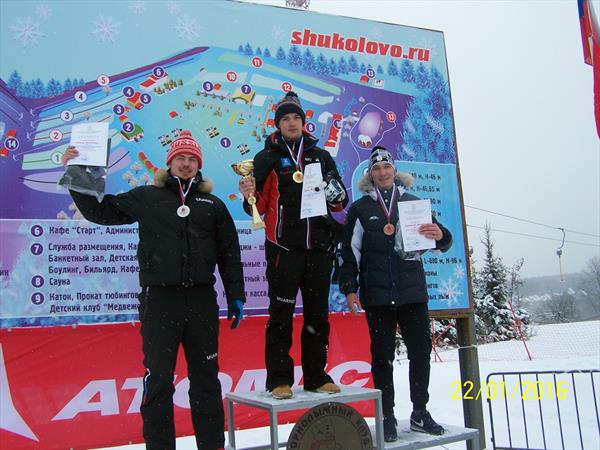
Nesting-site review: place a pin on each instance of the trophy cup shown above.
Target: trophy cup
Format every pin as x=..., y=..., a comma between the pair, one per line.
x=244, y=169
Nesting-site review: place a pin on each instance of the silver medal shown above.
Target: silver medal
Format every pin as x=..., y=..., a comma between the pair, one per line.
x=183, y=211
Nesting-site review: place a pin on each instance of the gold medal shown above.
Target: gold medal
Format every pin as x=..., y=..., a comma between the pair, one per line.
x=389, y=229
x=298, y=176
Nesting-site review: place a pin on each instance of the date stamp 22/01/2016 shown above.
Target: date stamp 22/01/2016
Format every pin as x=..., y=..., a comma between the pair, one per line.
x=522, y=389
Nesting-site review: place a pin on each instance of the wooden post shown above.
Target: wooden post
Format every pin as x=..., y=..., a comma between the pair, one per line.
x=469, y=372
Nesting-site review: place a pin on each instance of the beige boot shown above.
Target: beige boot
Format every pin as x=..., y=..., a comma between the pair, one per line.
x=329, y=388
x=282, y=392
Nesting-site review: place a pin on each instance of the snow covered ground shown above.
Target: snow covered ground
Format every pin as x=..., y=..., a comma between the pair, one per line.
x=559, y=347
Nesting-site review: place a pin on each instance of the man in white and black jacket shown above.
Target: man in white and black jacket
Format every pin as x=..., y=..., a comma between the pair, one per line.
x=184, y=231
x=392, y=286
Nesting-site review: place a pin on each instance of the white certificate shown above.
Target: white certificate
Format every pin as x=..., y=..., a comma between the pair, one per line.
x=411, y=215
x=91, y=141
x=313, y=195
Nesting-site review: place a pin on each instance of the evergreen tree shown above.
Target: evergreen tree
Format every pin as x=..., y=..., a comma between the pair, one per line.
x=392, y=70
x=407, y=71
x=333, y=67
x=258, y=52
x=248, y=50
x=421, y=77
x=241, y=48
x=267, y=53
x=280, y=54
x=67, y=85
x=37, y=89
x=308, y=60
x=25, y=90
x=494, y=319
x=14, y=81
x=53, y=88
x=379, y=69
x=342, y=66
x=363, y=68
x=353, y=64
x=321, y=67
x=294, y=57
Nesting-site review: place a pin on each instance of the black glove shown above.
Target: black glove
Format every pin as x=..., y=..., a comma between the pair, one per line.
x=334, y=191
x=235, y=309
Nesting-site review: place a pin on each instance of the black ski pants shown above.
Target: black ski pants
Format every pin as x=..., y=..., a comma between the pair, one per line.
x=413, y=320
x=288, y=271
x=170, y=316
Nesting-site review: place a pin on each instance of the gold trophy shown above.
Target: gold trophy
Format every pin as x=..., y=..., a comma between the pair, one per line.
x=244, y=169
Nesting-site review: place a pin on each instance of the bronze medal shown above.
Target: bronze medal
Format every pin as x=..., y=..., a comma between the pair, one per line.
x=298, y=176
x=389, y=229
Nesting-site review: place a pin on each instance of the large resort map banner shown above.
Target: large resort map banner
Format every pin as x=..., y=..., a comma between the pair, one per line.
x=153, y=68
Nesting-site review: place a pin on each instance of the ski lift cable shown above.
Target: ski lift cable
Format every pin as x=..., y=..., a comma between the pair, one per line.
x=532, y=222
x=538, y=237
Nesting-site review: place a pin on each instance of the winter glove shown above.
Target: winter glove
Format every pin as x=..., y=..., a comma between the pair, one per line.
x=235, y=309
x=334, y=191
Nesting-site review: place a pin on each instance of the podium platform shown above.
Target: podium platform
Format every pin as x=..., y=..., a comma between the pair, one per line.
x=301, y=400
x=412, y=440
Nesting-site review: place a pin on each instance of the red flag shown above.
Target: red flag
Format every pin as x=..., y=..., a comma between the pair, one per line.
x=590, y=37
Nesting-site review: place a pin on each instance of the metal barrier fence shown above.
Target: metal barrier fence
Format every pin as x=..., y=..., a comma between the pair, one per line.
x=544, y=409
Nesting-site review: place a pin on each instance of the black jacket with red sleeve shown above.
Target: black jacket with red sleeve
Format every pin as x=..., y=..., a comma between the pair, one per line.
x=279, y=196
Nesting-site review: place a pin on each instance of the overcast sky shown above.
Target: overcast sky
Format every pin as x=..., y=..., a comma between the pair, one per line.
x=523, y=108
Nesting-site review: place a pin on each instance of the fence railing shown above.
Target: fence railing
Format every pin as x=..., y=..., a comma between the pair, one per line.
x=544, y=409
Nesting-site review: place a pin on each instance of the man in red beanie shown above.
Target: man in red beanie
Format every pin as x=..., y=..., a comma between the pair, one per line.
x=184, y=232
x=298, y=250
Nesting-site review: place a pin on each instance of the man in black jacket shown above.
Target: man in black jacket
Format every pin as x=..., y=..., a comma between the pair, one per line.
x=392, y=286
x=298, y=250
x=184, y=231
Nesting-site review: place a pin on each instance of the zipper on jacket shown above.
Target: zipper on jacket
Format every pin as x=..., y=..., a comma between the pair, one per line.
x=280, y=222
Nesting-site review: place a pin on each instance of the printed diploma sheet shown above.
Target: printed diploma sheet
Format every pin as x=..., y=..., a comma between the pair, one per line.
x=411, y=215
x=91, y=141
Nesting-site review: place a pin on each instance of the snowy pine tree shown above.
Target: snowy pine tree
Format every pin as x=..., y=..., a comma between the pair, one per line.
x=280, y=55
x=14, y=81
x=494, y=318
x=353, y=64
x=392, y=70
x=308, y=60
x=294, y=56
x=241, y=48
x=322, y=67
x=248, y=50
x=267, y=53
x=407, y=71
x=53, y=88
x=333, y=67
x=258, y=52
x=342, y=66
x=379, y=69
x=67, y=85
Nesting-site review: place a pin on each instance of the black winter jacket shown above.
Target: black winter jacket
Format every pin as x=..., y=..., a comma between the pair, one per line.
x=172, y=250
x=386, y=274
x=279, y=197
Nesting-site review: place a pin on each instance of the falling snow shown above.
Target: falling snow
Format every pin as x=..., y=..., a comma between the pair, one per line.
x=26, y=32
x=450, y=291
x=187, y=28
x=173, y=7
x=137, y=7
x=459, y=272
x=43, y=11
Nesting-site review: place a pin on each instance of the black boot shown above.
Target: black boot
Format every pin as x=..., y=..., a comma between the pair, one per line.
x=390, y=433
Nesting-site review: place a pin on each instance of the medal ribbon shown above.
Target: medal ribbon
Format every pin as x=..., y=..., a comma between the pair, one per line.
x=387, y=211
x=298, y=160
x=182, y=194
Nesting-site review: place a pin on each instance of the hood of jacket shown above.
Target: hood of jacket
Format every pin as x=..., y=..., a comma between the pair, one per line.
x=162, y=178
x=403, y=180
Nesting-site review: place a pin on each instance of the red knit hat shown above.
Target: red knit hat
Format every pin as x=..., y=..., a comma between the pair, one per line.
x=185, y=145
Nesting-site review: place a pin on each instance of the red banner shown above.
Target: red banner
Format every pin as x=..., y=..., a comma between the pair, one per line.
x=81, y=387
